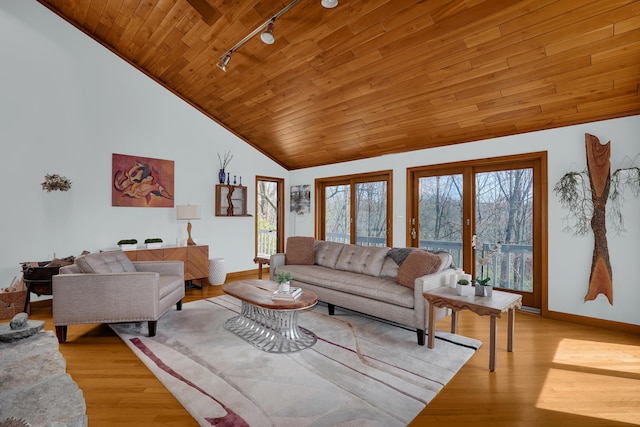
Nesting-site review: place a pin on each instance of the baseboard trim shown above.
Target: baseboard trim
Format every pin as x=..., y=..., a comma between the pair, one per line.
x=590, y=321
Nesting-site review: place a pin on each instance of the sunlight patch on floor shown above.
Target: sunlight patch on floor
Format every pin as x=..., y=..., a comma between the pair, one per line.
x=584, y=376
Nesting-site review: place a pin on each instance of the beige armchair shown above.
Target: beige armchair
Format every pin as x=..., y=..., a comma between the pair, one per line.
x=107, y=287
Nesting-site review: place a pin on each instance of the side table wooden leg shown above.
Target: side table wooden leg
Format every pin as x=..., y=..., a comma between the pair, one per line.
x=260, y=271
x=454, y=322
x=431, y=339
x=511, y=328
x=492, y=344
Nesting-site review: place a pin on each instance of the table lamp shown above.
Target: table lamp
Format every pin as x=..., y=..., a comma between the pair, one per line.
x=188, y=212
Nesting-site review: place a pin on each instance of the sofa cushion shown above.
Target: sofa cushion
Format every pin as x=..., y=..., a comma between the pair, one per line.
x=362, y=259
x=105, y=262
x=300, y=250
x=417, y=264
x=327, y=253
x=377, y=288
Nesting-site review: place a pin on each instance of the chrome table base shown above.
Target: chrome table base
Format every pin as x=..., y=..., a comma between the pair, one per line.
x=273, y=331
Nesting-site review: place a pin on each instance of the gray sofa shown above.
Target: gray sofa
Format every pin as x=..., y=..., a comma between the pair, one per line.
x=106, y=287
x=379, y=281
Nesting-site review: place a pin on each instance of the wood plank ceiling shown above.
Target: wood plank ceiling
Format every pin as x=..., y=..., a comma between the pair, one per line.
x=374, y=77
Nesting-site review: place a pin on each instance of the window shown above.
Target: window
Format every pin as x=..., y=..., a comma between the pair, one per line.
x=355, y=209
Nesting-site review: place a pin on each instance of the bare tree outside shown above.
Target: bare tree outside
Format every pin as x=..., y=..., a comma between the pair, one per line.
x=504, y=227
x=370, y=221
x=267, y=217
x=337, y=213
x=371, y=213
x=440, y=218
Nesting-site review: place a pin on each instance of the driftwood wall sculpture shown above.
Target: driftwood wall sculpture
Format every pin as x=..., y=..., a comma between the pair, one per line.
x=588, y=206
x=599, y=170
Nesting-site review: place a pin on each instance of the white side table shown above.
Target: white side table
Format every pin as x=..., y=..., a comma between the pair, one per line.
x=217, y=271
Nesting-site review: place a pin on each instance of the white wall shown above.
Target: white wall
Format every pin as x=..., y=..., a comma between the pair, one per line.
x=67, y=104
x=569, y=256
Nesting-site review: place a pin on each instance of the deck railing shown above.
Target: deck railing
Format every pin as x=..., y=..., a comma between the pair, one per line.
x=267, y=242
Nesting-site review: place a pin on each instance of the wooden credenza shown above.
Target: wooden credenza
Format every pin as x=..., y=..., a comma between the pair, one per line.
x=195, y=258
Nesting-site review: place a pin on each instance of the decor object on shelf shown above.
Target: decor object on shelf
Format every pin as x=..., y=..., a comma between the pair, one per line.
x=482, y=284
x=224, y=162
x=463, y=288
x=231, y=200
x=283, y=278
x=188, y=212
x=588, y=204
x=55, y=182
x=128, y=244
x=266, y=32
x=153, y=243
x=483, y=288
x=141, y=181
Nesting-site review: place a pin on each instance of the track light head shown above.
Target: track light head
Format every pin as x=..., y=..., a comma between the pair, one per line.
x=267, y=35
x=329, y=4
x=224, y=60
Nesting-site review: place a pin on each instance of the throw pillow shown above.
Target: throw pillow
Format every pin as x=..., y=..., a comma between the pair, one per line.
x=417, y=264
x=300, y=251
x=399, y=254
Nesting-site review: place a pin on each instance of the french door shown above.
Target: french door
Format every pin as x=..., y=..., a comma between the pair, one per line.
x=488, y=214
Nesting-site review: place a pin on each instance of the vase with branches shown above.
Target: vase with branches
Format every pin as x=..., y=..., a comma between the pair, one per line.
x=224, y=162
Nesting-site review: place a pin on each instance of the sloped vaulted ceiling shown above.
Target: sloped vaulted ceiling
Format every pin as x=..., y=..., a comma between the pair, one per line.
x=373, y=77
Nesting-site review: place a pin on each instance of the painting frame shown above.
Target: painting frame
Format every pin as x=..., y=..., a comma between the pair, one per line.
x=300, y=199
x=138, y=181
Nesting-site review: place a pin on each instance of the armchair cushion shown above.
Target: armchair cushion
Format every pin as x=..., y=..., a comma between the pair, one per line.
x=105, y=262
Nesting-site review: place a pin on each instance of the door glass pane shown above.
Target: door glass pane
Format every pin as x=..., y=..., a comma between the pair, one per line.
x=267, y=217
x=440, y=214
x=504, y=228
x=371, y=213
x=337, y=213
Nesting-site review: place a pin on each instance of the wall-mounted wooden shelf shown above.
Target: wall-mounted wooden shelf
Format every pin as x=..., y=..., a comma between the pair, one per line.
x=231, y=200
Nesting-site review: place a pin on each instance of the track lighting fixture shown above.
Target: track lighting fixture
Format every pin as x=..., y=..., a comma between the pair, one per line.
x=224, y=60
x=267, y=34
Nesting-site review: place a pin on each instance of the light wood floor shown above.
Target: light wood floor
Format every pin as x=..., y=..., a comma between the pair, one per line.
x=561, y=374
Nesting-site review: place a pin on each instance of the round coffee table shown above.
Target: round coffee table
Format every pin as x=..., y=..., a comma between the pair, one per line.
x=271, y=326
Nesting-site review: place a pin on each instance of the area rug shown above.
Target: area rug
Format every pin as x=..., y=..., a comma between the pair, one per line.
x=360, y=372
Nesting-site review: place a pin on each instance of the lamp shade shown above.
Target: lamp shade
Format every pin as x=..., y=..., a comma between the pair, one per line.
x=188, y=212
